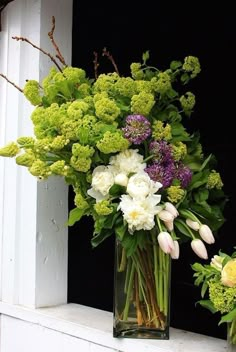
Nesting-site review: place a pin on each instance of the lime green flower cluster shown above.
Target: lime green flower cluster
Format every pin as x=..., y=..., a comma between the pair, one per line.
x=80, y=123
x=222, y=297
x=103, y=207
x=214, y=180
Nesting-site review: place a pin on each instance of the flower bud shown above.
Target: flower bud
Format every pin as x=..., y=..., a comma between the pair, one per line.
x=216, y=262
x=165, y=242
x=121, y=179
x=165, y=215
x=199, y=248
x=193, y=224
x=169, y=225
x=206, y=234
x=171, y=209
x=175, y=252
x=228, y=274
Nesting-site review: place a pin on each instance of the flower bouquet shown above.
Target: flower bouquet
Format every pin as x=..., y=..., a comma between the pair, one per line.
x=120, y=142
x=219, y=281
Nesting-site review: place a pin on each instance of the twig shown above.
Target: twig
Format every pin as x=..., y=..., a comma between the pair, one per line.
x=96, y=64
x=50, y=34
x=106, y=53
x=40, y=49
x=12, y=83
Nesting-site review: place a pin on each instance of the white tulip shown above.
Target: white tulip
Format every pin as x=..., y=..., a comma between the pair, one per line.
x=199, y=248
x=175, y=252
x=166, y=242
x=171, y=209
x=193, y=224
x=165, y=215
x=206, y=234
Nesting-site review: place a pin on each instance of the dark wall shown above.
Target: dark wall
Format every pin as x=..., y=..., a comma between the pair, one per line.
x=169, y=32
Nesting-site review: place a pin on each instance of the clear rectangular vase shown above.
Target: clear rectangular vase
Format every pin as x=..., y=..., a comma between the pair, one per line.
x=142, y=292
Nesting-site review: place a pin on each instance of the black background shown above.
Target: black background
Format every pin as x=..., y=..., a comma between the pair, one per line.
x=170, y=32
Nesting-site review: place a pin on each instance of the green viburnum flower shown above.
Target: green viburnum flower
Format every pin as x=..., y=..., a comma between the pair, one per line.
x=25, y=142
x=223, y=297
x=74, y=74
x=32, y=92
x=136, y=71
x=60, y=168
x=10, y=150
x=112, y=143
x=80, y=202
x=160, y=131
x=103, y=207
x=107, y=110
x=26, y=159
x=162, y=83
x=187, y=101
x=175, y=194
x=142, y=103
x=179, y=151
x=214, y=180
x=192, y=65
x=40, y=169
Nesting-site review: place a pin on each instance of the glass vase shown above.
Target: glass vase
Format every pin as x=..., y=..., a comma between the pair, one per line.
x=142, y=292
x=231, y=336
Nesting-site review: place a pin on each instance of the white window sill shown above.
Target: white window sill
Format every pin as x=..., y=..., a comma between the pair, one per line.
x=96, y=326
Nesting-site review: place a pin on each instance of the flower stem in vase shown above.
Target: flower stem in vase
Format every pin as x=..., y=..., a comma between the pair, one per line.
x=231, y=335
x=141, y=296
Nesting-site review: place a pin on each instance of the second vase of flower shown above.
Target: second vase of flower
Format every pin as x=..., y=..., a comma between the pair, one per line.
x=142, y=291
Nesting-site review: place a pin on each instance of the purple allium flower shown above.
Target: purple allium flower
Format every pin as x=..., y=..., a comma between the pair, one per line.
x=137, y=129
x=183, y=174
x=161, y=173
x=162, y=152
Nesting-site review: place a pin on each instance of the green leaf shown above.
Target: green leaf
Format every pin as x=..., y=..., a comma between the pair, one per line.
x=100, y=237
x=174, y=65
x=228, y=317
x=116, y=190
x=208, y=305
x=75, y=215
x=145, y=56
x=129, y=242
x=120, y=231
x=182, y=228
x=206, y=162
x=184, y=78
x=201, y=195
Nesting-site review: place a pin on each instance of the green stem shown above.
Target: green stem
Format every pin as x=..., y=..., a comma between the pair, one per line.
x=129, y=292
x=127, y=276
x=123, y=261
x=160, y=280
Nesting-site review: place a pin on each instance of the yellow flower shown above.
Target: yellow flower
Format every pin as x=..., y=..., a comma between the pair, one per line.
x=228, y=274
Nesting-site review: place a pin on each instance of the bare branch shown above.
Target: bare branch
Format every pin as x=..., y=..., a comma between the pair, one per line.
x=40, y=49
x=106, y=53
x=12, y=83
x=50, y=34
x=96, y=64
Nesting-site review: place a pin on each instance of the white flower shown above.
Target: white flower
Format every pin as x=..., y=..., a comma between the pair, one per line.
x=128, y=161
x=175, y=252
x=121, y=179
x=216, y=262
x=166, y=242
x=102, y=181
x=199, y=248
x=206, y=234
x=165, y=215
x=139, y=213
x=171, y=209
x=193, y=224
x=140, y=185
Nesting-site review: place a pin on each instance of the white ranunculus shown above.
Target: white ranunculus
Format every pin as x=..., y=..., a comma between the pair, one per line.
x=140, y=185
x=128, y=161
x=102, y=179
x=139, y=213
x=121, y=179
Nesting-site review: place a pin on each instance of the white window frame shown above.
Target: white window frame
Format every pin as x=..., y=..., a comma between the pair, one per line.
x=33, y=232
x=33, y=215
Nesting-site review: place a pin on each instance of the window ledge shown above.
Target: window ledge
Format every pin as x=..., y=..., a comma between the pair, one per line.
x=95, y=325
